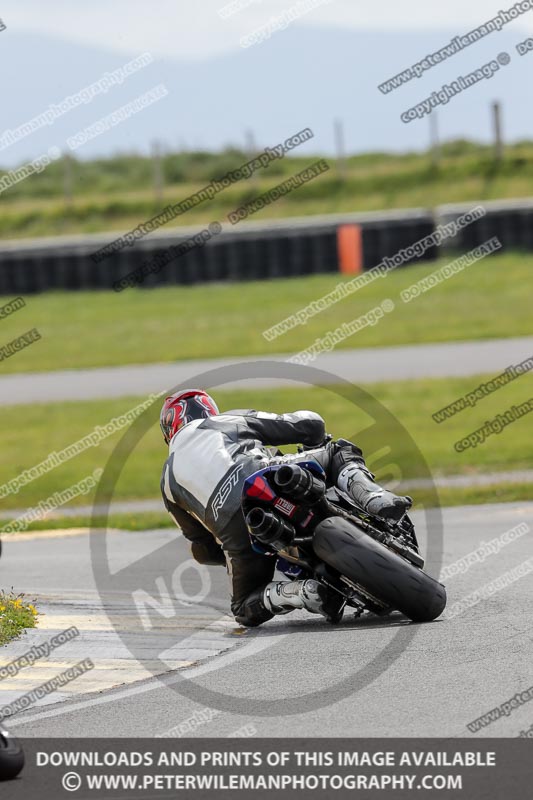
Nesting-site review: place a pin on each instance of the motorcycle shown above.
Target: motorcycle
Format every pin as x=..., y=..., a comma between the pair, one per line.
x=11, y=756
x=322, y=533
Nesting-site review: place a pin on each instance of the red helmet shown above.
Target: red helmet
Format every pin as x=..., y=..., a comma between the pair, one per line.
x=183, y=407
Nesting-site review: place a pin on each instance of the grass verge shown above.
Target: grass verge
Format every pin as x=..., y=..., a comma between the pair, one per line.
x=411, y=440
x=137, y=326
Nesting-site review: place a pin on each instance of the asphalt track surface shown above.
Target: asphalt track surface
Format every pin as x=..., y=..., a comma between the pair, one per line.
x=365, y=365
x=297, y=675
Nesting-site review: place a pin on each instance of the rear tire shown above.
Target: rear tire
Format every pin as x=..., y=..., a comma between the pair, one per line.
x=377, y=569
x=11, y=756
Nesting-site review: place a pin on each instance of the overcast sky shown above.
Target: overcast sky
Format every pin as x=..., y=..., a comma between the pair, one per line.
x=183, y=29
x=327, y=65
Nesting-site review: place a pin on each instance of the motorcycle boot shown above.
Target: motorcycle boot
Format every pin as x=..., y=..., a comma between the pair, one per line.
x=358, y=482
x=281, y=597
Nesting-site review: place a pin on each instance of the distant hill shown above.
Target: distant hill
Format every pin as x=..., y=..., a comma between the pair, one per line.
x=302, y=77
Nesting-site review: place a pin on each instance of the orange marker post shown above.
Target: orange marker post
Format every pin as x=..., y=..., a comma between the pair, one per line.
x=350, y=249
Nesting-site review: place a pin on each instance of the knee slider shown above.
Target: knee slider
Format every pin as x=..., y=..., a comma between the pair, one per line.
x=253, y=611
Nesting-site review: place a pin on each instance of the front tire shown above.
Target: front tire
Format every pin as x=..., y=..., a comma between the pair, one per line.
x=11, y=756
x=384, y=574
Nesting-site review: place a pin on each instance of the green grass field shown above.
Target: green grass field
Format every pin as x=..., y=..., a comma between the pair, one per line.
x=52, y=427
x=91, y=329
x=116, y=193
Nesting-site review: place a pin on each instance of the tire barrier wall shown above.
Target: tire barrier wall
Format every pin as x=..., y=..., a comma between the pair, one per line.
x=347, y=243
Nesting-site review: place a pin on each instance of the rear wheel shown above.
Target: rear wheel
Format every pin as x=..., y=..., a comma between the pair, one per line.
x=11, y=756
x=377, y=569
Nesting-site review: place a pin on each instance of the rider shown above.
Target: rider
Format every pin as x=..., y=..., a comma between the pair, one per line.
x=210, y=456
